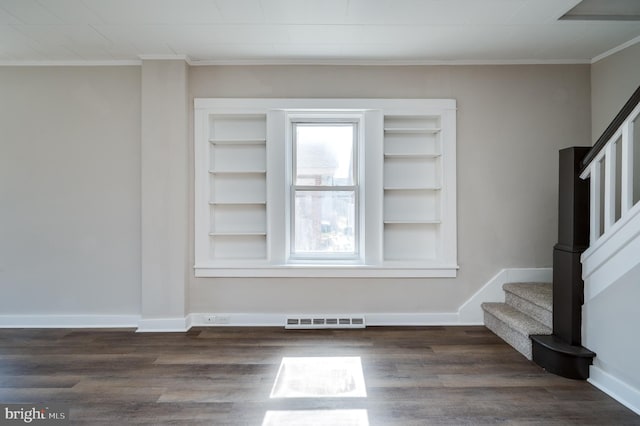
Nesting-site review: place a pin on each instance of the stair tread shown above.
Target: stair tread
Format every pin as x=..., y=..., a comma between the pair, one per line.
x=516, y=319
x=540, y=294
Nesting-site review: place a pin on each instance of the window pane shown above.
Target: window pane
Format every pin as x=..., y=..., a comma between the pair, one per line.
x=324, y=154
x=324, y=222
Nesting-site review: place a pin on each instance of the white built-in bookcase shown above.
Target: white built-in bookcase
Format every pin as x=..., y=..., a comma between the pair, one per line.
x=409, y=211
x=237, y=186
x=412, y=187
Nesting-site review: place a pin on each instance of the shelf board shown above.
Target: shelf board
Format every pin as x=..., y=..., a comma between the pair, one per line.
x=413, y=188
x=411, y=155
x=412, y=222
x=237, y=203
x=237, y=172
x=238, y=141
x=237, y=234
x=427, y=130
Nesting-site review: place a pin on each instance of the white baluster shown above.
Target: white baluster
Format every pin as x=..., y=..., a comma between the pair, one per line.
x=610, y=186
x=626, y=192
x=595, y=202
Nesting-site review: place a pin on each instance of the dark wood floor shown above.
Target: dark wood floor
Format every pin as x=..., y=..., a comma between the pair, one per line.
x=224, y=376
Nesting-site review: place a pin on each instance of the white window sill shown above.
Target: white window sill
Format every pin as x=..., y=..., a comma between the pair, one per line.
x=328, y=271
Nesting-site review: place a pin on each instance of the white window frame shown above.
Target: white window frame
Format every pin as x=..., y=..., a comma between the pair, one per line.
x=303, y=118
x=372, y=263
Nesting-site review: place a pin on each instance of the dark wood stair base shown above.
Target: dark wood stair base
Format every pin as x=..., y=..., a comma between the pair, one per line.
x=561, y=358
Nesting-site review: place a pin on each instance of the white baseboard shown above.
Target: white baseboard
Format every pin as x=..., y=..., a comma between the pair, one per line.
x=470, y=313
x=157, y=325
x=279, y=320
x=69, y=321
x=615, y=388
x=412, y=319
x=226, y=319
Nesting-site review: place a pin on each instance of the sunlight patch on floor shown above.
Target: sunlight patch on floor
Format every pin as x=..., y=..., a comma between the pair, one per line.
x=319, y=377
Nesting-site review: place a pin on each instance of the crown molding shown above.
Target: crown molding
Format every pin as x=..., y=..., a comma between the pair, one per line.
x=380, y=62
x=320, y=62
x=615, y=50
x=107, y=63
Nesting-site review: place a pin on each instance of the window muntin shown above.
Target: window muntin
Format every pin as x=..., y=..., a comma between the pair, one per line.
x=324, y=190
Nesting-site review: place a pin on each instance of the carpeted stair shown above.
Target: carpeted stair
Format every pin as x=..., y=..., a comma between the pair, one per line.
x=528, y=309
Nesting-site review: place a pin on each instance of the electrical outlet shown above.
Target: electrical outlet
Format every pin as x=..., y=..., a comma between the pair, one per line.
x=216, y=319
x=222, y=319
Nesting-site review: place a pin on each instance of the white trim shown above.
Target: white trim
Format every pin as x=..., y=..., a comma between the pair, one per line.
x=68, y=321
x=324, y=62
x=236, y=319
x=616, y=49
x=79, y=63
x=615, y=388
x=389, y=62
x=279, y=319
x=177, y=324
x=354, y=119
x=263, y=105
x=470, y=311
x=346, y=271
x=412, y=319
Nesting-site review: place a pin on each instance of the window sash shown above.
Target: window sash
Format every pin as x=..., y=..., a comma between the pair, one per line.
x=355, y=188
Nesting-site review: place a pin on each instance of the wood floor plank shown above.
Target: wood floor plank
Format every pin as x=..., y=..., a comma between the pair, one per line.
x=444, y=375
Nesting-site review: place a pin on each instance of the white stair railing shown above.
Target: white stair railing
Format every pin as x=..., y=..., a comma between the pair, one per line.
x=613, y=206
x=606, y=209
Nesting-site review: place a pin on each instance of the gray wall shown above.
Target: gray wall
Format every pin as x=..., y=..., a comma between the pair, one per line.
x=70, y=182
x=613, y=81
x=512, y=120
x=612, y=316
x=70, y=190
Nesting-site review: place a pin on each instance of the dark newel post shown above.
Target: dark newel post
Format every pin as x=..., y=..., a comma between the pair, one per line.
x=573, y=240
x=562, y=353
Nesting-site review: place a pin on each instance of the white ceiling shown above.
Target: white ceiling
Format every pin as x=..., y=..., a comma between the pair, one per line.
x=273, y=31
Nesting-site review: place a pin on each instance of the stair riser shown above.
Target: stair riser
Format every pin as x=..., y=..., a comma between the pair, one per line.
x=534, y=311
x=521, y=343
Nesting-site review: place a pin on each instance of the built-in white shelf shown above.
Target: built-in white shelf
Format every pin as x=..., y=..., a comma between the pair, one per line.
x=241, y=167
x=411, y=130
x=238, y=141
x=413, y=222
x=237, y=203
x=412, y=184
x=236, y=234
x=237, y=172
x=237, y=186
x=411, y=155
x=416, y=188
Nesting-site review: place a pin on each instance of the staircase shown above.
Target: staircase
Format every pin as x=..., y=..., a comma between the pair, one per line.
x=527, y=310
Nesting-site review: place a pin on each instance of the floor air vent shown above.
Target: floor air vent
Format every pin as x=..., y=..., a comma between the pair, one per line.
x=329, y=321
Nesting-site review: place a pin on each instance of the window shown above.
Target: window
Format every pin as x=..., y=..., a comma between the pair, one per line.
x=324, y=190
x=325, y=187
